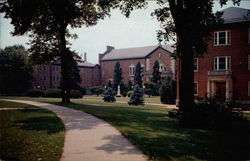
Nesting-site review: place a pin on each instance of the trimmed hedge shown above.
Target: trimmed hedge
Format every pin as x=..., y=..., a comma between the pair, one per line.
x=35, y=93
x=54, y=93
x=75, y=94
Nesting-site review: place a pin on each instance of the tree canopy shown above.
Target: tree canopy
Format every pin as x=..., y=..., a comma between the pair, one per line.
x=156, y=75
x=117, y=75
x=138, y=74
x=16, y=73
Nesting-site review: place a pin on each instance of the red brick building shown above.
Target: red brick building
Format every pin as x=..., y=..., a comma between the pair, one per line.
x=49, y=76
x=129, y=57
x=224, y=71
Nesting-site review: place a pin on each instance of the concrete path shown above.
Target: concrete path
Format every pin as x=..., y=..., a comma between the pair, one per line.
x=89, y=138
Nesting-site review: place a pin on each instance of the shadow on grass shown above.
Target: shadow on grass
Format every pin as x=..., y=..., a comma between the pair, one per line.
x=49, y=124
x=163, y=138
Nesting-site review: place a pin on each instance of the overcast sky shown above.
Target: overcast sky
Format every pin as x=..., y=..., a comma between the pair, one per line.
x=117, y=30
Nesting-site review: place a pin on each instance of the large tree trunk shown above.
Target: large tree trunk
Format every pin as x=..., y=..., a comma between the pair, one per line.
x=64, y=57
x=186, y=80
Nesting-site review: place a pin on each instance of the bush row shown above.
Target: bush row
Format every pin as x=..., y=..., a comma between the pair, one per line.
x=53, y=93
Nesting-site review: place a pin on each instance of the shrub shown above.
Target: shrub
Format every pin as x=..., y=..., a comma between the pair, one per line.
x=98, y=90
x=129, y=93
x=167, y=91
x=75, y=94
x=137, y=96
x=124, y=93
x=54, y=93
x=109, y=95
x=35, y=93
x=209, y=113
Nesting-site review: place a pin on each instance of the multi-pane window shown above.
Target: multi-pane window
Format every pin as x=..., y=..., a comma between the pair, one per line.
x=195, y=64
x=222, y=38
x=161, y=67
x=131, y=70
x=222, y=63
x=195, y=88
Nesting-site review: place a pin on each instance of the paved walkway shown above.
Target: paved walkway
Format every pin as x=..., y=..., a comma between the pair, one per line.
x=89, y=138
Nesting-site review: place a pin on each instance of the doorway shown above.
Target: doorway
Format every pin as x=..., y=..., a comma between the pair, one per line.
x=220, y=91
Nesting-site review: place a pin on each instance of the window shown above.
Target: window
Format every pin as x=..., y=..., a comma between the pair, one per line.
x=44, y=67
x=195, y=88
x=249, y=88
x=142, y=67
x=161, y=67
x=222, y=38
x=53, y=68
x=195, y=64
x=131, y=70
x=248, y=62
x=222, y=63
x=57, y=68
x=54, y=78
x=44, y=78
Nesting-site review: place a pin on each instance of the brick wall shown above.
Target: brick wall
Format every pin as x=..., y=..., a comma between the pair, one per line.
x=238, y=51
x=107, y=66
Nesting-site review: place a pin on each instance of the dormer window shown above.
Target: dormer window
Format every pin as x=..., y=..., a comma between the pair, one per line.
x=222, y=38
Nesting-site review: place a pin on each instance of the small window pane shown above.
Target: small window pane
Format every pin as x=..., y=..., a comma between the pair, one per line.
x=222, y=38
x=222, y=63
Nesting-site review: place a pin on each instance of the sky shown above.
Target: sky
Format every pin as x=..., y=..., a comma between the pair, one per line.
x=139, y=29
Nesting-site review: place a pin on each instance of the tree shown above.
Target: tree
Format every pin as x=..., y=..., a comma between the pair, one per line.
x=47, y=22
x=156, y=72
x=109, y=95
x=16, y=74
x=192, y=21
x=117, y=75
x=138, y=74
x=137, y=96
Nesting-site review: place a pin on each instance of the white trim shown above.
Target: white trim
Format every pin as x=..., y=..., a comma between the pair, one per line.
x=196, y=59
x=227, y=61
x=131, y=70
x=227, y=38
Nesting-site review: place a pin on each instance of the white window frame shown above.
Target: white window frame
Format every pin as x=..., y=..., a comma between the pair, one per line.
x=131, y=70
x=227, y=65
x=248, y=88
x=196, y=94
x=161, y=67
x=227, y=37
x=196, y=60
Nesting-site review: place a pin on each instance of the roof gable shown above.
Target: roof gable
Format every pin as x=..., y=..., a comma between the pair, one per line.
x=132, y=53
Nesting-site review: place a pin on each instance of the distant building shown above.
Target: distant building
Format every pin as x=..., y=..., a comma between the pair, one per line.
x=49, y=76
x=224, y=71
x=129, y=57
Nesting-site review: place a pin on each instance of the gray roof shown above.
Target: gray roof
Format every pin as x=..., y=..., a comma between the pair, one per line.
x=137, y=52
x=86, y=64
x=236, y=14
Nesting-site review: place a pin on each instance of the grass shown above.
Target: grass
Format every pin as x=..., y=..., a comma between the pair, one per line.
x=30, y=134
x=161, y=138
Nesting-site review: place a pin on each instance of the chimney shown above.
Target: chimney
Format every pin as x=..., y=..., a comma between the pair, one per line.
x=109, y=48
x=85, y=56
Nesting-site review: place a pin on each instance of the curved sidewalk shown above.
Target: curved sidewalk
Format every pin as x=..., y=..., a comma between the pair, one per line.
x=88, y=138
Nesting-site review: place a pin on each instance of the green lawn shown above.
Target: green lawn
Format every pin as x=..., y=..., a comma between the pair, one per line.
x=161, y=138
x=30, y=134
